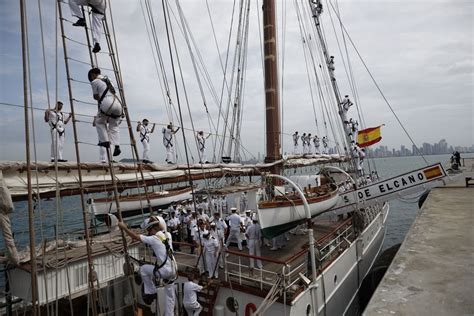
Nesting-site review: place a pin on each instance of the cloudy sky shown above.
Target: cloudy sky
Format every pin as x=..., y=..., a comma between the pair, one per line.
x=420, y=52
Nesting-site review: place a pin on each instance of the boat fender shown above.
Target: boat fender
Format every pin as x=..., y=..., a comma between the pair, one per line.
x=250, y=308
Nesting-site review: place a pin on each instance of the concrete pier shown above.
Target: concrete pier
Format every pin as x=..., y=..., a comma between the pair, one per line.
x=433, y=272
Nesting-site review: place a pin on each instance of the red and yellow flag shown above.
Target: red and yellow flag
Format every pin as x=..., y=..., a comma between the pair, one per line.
x=369, y=136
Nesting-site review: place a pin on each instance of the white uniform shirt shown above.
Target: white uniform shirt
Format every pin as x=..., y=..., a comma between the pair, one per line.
x=201, y=142
x=234, y=221
x=295, y=139
x=204, y=217
x=167, y=137
x=190, y=289
x=173, y=222
x=253, y=232
x=210, y=245
x=99, y=86
x=158, y=246
x=220, y=224
x=144, y=133
x=56, y=120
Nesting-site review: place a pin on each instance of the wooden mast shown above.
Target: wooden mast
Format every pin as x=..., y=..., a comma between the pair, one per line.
x=31, y=226
x=272, y=110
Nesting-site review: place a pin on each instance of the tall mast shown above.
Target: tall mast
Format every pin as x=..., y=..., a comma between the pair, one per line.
x=272, y=110
x=317, y=9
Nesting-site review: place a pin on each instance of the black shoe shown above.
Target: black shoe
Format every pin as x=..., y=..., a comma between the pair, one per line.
x=104, y=144
x=147, y=161
x=170, y=163
x=52, y=160
x=62, y=160
x=117, y=150
x=96, y=48
x=80, y=22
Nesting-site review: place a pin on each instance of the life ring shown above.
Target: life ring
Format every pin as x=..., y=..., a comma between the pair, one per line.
x=250, y=308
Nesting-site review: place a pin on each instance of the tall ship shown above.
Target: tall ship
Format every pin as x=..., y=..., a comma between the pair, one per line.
x=323, y=210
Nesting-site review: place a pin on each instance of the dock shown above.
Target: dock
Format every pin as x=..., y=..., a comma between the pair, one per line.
x=432, y=273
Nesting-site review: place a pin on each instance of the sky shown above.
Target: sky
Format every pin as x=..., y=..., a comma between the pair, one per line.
x=419, y=52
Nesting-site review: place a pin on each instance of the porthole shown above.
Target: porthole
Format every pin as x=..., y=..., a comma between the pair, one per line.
x=232, y=304
x=335, y=279
x=308, y=309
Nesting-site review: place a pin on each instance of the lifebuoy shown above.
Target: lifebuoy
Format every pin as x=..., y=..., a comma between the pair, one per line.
x=250, y=308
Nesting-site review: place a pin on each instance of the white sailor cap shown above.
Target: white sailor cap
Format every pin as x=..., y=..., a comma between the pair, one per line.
x=206, y=233
x=254, y=217
x=248, y=211
x=152, y=221
x=233, y=209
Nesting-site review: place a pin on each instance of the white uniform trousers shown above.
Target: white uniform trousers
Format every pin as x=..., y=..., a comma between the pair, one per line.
x=202, y=156
x=76, y=11
x=57, y=144
x=146, y=149
x=295, y=150
x=305, y=149
x=102, y=154
x=211, y=264
x=254, y=250
x=234, y=233
x=316, y=150
x=146, y=272
x=169, y=153
x=108, y=128
x=192, y=308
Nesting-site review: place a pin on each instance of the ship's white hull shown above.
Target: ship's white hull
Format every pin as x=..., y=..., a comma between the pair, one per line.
x=337, y=285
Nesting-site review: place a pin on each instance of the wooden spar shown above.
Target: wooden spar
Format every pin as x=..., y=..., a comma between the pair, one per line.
x=271, y=86
x=31, y=227
x=85, y=220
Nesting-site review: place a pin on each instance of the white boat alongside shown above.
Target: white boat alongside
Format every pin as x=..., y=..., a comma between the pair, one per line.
x=134, y=203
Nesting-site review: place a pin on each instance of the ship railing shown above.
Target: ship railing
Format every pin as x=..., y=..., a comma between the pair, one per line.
x=335, y=243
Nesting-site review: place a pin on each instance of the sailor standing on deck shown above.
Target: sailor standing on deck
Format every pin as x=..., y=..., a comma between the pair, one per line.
x=165, y=268
x=56, y=121
x=235, y=227
x=244, y=201
x=254, y=238
x=308, y=143
x=221, y=228
x=145, y=132
x=211, y=251
x=174, y=226
x=168, y=133
x=98, y=10
x=110, y=110
x=296, y=137
x=201, y=141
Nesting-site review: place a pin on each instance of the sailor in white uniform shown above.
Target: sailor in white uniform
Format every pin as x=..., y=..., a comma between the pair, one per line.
x=235, y=227
x=325, y=145
x=165, y=267
x=308, y=143
x=109, y=113
x=55, y=119
x=346, y=103
x=98, y=11
x=303, y=140
x=360, y=155
x=211, y=251
x=296, y=137
x=221, y=228
x=316, y=145
x=168, y=133
x=354, y=130
x=254, y=239
x=145, y=132
x=244, y=201
x=190, y=302
x=201, y=142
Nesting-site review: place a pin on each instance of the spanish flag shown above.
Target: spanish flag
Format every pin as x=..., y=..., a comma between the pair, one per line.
x=369, y=136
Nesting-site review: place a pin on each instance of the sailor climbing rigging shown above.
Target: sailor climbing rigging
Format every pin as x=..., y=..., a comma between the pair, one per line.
x=164, y=271
x=110, y=112
x=168, y=133
x=145, y=132
x=346, y=103
x=56, y=121
x=201, y=141
x=98, y=11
